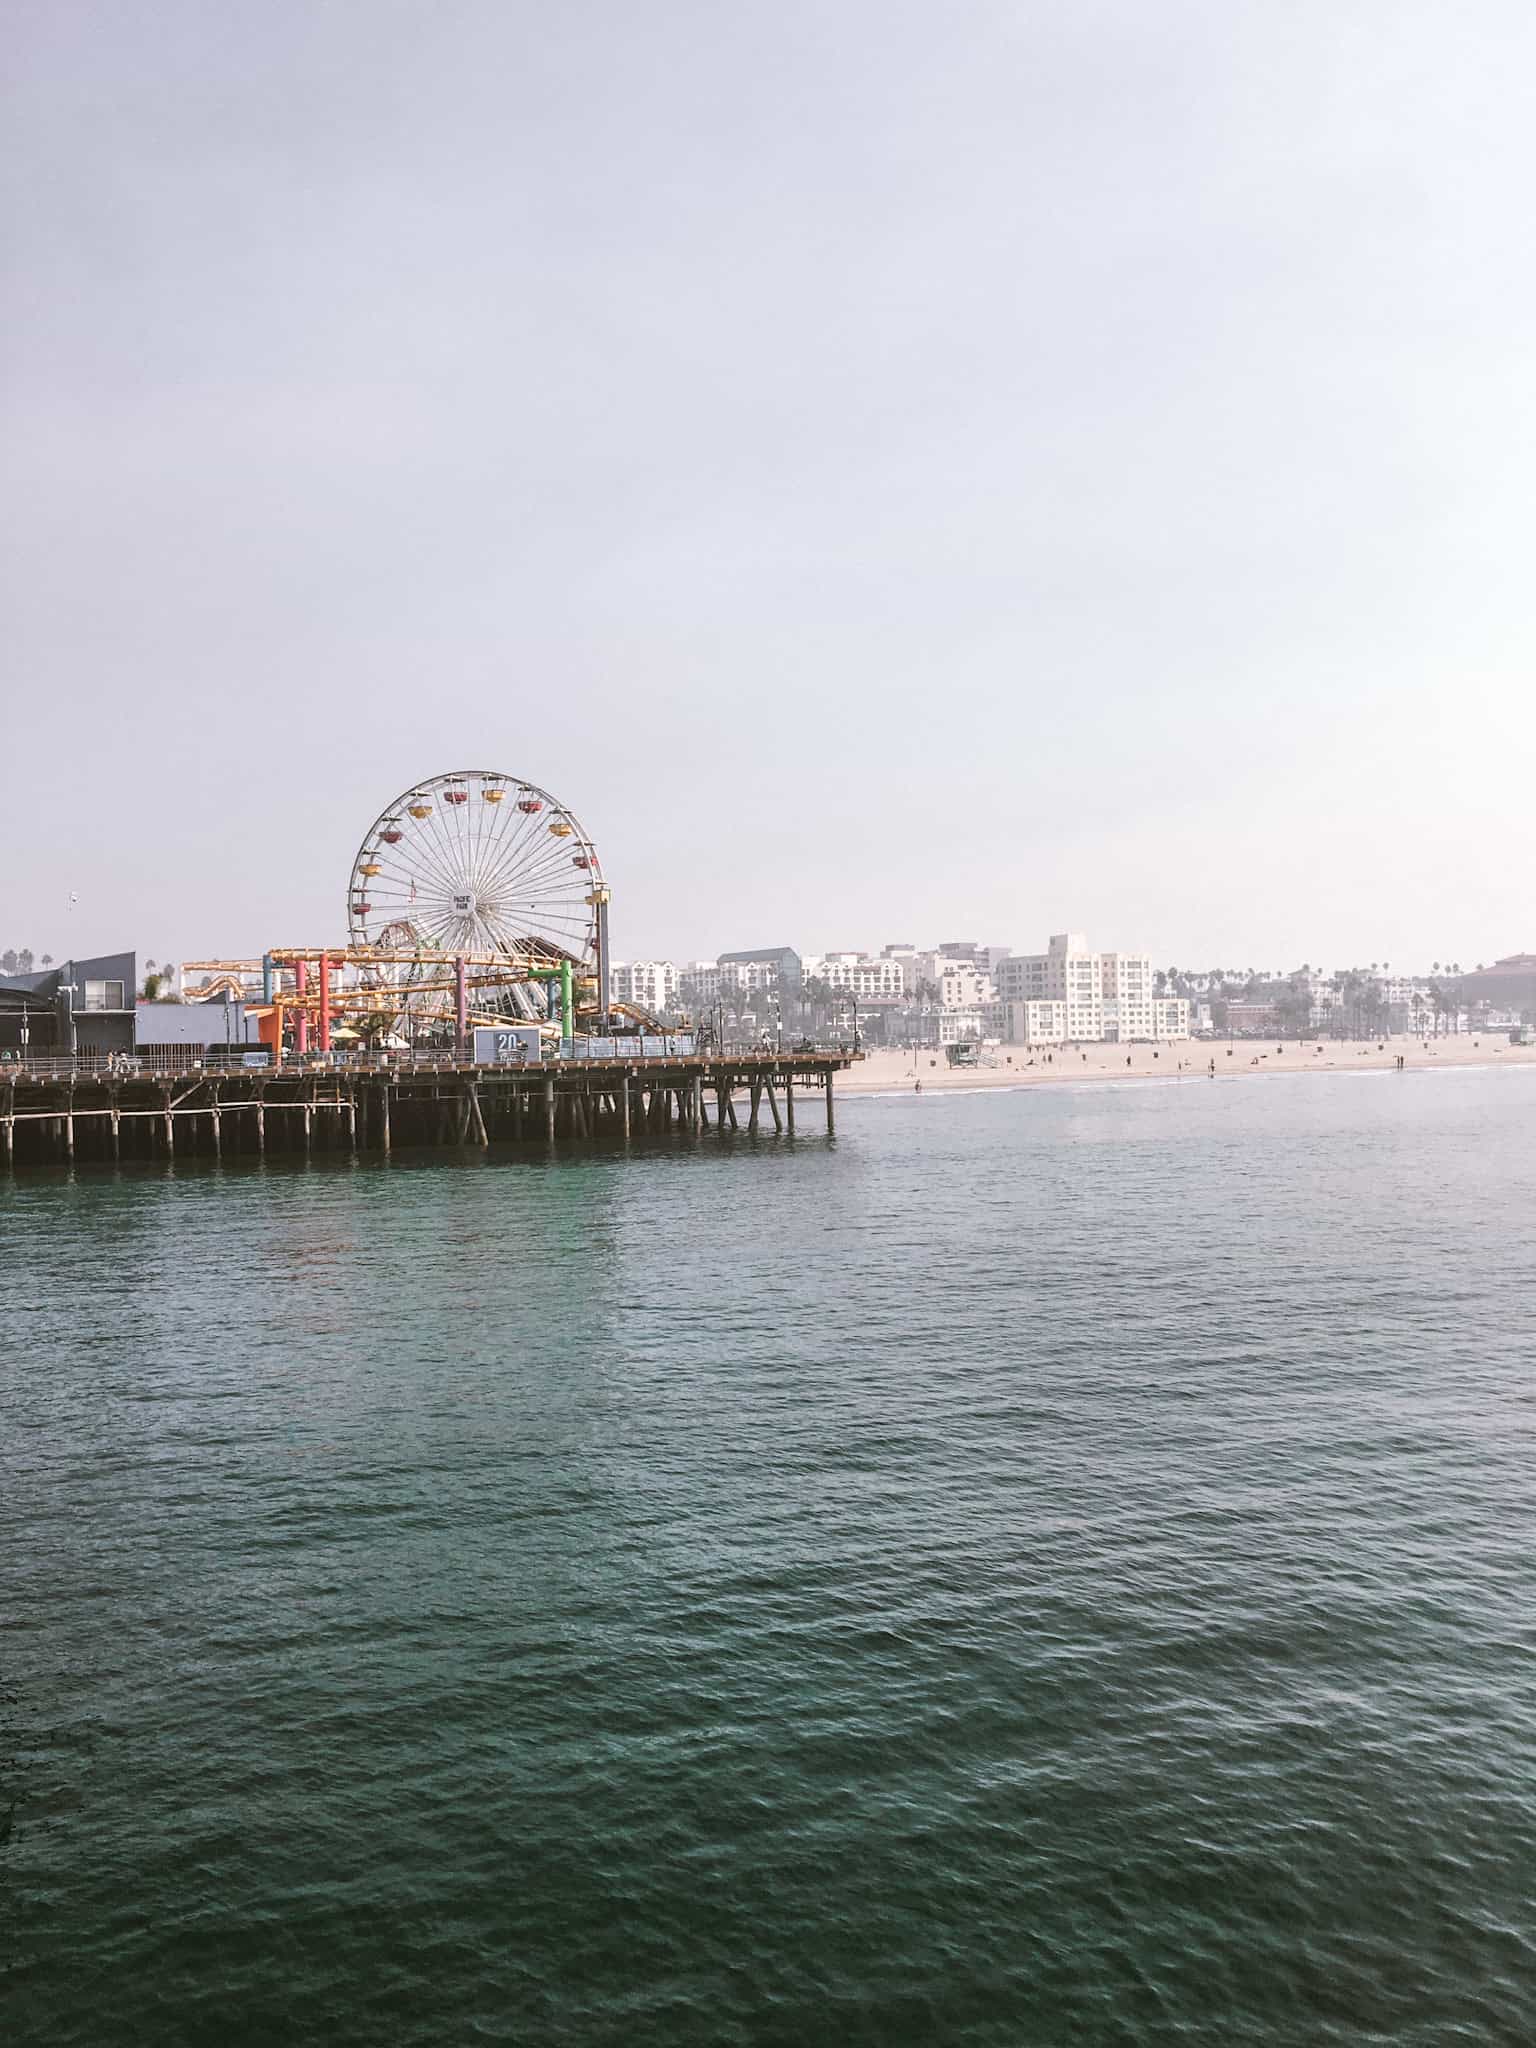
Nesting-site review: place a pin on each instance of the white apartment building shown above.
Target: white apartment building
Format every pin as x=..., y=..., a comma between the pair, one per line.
x=699, y=983
x=1170, y=1017
x=1028, y=1022
x=856, y=974
x=1125, y=983
x=652, y=984
x=1067, y=972
x=1071, y=993
x=964, y=986
x=919, y=965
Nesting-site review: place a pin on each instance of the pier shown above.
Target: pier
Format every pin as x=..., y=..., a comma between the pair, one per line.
x=61, y=1113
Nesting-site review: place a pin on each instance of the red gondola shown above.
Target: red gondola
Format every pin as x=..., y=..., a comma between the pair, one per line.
x=531, y=805
x=579, y=860
x=392, y=835
x=455, y=796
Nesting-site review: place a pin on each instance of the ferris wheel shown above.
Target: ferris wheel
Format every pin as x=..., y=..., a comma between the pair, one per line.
x=478, y=863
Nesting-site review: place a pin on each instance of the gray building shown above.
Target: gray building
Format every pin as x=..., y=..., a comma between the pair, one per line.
x=208, y=1025
x=761, y=967
x=77, y=1006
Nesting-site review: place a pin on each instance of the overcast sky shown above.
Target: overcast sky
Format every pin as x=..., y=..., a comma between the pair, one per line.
x=899, y=471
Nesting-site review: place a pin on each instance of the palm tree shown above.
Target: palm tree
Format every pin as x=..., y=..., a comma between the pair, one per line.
x=47, y=960
x=24, y=959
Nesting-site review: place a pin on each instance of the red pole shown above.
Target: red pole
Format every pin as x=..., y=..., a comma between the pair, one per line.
x=301, y=1023
x=325, y=1002
x=461, y=1003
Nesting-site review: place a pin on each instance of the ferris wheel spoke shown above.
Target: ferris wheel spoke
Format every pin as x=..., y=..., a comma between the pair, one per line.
x=499, y=847
x=525, y=839
x=493, y=827
x=424, y=857
x=542, y=868
x=522, y=852
x=442, y=840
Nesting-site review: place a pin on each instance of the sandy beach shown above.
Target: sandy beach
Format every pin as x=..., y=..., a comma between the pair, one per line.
x=1012, y=1066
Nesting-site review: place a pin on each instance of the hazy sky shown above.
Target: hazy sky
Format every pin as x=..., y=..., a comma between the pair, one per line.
x=899, y=471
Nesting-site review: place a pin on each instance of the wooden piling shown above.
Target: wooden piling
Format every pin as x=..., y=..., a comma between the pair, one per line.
x=549, y=1109
x=384, y=1116
x=789, y=1102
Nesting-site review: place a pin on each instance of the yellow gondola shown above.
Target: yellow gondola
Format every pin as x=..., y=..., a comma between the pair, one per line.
x=419, y=810
x=560, y=829
x=370, y=868
x=493, y=796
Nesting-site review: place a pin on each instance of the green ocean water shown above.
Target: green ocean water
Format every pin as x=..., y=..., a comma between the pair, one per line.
x=1054, y=1566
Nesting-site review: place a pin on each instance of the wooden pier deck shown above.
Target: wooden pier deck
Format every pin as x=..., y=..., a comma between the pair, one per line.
x=54, y=1114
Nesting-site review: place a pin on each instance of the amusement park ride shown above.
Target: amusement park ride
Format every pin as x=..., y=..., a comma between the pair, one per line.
x=474, y=898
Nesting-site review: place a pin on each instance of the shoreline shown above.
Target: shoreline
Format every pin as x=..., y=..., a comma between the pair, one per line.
x=887, y=1072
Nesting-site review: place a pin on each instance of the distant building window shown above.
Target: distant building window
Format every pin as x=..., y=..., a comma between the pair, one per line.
x=103, y=995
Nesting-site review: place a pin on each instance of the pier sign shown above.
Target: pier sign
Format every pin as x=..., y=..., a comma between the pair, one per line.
x=510, y=1045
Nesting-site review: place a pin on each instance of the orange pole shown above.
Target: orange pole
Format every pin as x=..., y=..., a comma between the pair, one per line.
x=325, y=1002
x=301, y=1022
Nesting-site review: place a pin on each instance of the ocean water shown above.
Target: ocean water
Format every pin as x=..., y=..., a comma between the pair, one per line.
x=1044, y=1567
